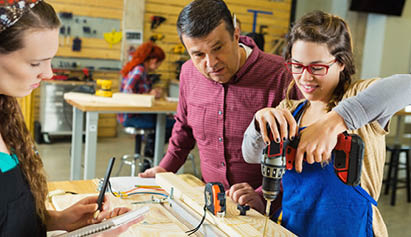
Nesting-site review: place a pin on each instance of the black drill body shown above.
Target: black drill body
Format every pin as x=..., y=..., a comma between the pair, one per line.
x=277, y=157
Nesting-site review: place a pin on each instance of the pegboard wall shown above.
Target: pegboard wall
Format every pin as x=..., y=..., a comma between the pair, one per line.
x=274, y=25
x=88, y=20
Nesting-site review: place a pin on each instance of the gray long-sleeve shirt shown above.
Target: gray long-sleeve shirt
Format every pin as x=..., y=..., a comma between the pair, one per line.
x=379, y=102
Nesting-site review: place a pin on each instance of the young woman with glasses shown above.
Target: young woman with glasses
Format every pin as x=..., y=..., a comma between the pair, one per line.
x=314, y=201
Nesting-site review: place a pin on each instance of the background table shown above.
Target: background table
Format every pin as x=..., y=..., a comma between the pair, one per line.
x=92, y=109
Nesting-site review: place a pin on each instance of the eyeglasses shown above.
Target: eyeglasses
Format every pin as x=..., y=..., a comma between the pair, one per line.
x=313, y=69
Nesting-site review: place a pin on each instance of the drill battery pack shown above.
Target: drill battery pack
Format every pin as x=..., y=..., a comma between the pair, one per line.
x=348, y=156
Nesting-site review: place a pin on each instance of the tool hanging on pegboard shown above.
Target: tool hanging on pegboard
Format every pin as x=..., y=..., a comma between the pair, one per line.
x=179, y=49
x=76, y=44
x=113, y=37
x=156, y=37
x=156, y=21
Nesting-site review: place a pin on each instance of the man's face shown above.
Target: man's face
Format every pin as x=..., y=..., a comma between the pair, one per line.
x=216, y=55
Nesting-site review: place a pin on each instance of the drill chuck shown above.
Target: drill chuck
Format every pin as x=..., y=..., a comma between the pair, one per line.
x=272, y=169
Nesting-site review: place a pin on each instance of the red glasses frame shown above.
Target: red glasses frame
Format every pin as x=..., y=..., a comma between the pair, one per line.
x=309, y=67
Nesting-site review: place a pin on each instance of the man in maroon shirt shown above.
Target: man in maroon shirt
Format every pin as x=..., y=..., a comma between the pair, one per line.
x=226, y=81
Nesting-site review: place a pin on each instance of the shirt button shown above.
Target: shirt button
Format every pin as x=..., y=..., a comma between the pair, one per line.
x=222, y=164
x=220, y=139
x=220, y=112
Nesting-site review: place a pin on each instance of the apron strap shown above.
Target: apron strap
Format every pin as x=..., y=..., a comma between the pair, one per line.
x=299, y=110
x=364, y=193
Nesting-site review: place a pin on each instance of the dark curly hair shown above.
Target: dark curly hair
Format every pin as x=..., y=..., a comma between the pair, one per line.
x=324, y=28
x=13, y=129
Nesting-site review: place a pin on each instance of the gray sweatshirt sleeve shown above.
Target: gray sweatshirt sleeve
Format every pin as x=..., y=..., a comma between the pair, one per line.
x=253, y=145
x=379, y=102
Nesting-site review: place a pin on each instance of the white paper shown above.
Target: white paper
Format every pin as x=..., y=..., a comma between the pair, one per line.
x=122, y=184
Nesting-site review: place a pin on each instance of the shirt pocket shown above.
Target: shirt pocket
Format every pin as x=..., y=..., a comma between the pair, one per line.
x=196, y=119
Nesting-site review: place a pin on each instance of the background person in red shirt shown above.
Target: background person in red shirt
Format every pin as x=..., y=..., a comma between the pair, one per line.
x=135, y=80
x=226, y=81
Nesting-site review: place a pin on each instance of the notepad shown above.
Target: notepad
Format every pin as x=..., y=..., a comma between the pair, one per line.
x=107, y=224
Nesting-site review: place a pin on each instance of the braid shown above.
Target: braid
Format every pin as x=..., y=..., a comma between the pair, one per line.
x=19, y=141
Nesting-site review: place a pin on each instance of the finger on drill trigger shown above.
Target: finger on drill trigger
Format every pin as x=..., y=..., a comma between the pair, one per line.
x=282, y=124
x=292, y=125
x=273, y=127
x=263, y=130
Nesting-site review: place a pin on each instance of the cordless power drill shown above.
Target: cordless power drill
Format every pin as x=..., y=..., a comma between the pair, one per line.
x=277, y=157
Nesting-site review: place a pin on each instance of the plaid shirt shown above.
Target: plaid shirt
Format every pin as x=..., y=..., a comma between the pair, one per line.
x=215, y=116
x=135, y=82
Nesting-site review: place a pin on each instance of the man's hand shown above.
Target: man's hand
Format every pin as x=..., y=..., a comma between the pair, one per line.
x=319, y=139
x=157, y=92
x=151, y=173
x=244, y=194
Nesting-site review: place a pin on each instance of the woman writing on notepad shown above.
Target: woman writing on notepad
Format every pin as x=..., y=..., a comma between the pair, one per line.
x=145, y=59
x=28, y=41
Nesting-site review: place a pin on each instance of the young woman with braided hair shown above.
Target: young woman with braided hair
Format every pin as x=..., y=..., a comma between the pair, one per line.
x=28, y=41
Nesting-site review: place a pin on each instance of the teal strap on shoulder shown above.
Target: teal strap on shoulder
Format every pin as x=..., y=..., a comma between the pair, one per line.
x=8, y=162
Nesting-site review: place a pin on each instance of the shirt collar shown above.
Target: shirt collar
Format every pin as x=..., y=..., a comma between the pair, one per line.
x=249, y=61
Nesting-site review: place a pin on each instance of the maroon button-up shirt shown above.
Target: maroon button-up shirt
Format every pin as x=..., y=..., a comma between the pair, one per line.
x=216, y=116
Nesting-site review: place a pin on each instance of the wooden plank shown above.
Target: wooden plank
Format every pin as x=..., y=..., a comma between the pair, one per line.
x=107, y=122
x=142, y=100
x=89, y=53
x=106, y=132
x=92, y=43
x=125, y=99
x=232, y=224
x=105, y=116
x=80, y=10
x=93, y=3
x=251, y=4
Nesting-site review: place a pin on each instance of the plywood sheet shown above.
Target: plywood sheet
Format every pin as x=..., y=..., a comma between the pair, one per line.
x=117, y=99
x=232, y=224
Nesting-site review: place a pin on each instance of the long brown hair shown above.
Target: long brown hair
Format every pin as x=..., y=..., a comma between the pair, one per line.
x=144, y=52
x=13, y=129
x=321, y=27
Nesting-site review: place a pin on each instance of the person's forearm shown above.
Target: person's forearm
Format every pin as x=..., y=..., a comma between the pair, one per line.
x=53, y=221
x=253, y=144
x=378, y=102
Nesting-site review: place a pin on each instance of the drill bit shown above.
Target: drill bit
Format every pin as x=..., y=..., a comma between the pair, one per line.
x=267, y=214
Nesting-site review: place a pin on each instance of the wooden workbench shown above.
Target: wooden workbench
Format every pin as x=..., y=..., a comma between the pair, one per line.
x=161, y=221
x=158, y=222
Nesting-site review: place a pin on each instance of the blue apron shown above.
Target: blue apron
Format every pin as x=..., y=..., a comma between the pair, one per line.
x=316, y=203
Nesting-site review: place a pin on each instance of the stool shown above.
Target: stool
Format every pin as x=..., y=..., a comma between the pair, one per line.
x=136, y=159
x=395, y=165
